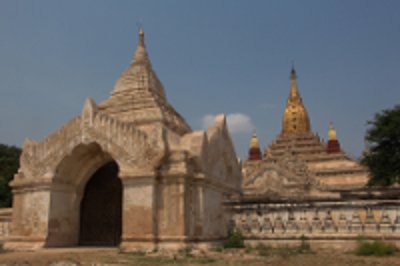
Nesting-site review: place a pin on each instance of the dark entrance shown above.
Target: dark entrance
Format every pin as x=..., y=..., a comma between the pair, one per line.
x=100, y=223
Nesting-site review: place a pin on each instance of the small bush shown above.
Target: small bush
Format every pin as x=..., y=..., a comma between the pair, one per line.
x=235, y=240
x=304, y=245
x=375, y=248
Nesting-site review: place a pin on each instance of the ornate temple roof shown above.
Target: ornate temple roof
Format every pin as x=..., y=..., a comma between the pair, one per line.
x=138, y=95
x=295, y=117
x=297, y=162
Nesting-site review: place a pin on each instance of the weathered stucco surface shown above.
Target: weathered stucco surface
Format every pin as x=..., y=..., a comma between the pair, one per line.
x=174, y=180
x=325, y=223
x=181, y=187
x=304, y=187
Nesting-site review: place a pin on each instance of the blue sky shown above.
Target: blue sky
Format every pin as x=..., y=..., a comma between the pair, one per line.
x=231, y=57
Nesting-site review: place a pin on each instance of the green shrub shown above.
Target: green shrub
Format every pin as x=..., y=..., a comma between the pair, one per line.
x=304, y=245
x=375, y=248
x=235, y=240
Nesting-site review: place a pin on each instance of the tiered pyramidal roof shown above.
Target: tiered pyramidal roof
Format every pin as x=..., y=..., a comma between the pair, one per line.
x=138, y=95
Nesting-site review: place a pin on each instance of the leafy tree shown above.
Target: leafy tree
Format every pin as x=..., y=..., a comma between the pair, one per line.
x=9, y=164
x=383, y=158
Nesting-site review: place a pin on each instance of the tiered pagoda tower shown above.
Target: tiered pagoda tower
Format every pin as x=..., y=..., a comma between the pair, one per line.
x=295, y=117
x=297, y=160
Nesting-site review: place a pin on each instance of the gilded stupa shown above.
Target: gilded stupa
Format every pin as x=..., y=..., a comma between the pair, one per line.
x=297, y=162
x=295, y=117
x=333, y=145
x=254, y=150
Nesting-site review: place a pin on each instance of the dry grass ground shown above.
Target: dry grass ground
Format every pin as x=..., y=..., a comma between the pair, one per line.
x=110, y=256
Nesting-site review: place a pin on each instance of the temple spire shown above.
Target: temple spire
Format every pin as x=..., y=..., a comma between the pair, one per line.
x=333, y=143
x=294, y=92
x=295, y=117
x=293, y=75
x=141, y=36
x=141, y=56
x=254, y=149
x=332, y=132
x=254, y=141
x=138, y=95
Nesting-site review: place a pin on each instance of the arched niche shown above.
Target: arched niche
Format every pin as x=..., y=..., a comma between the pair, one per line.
x=72, y=176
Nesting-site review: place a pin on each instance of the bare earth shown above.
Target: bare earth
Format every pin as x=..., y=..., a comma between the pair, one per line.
x=111, y=256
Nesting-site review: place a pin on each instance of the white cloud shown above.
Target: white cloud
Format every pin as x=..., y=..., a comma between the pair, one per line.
x=237, y=122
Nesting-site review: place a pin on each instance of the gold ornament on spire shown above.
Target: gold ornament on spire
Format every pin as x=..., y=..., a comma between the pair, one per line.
x=333, y=143
x=254, y=150
x=295, y=117
x=254, y=144
x=332, y=132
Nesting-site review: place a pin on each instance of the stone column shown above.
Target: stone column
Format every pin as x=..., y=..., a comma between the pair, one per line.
x=174, y=202
x=29, y=225
x=139, y=221
x=64, y=214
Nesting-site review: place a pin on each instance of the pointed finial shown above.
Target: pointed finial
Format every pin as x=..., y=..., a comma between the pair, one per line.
x=141, y=36
x=333, y=143
x=332, y=132
x=293, y=75
x=140, y=56
x=254, y=140
x=254, y=150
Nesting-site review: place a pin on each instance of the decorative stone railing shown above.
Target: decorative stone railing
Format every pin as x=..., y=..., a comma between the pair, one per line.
x=5, y=221
x=318, y=220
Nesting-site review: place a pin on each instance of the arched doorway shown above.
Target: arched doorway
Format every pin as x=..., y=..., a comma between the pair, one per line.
x=100, y=209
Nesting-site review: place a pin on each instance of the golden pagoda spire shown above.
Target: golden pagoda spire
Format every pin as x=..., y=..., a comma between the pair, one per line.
x=333, y=143
x=254, y=149
x=332, y=132
x=294, y=92
x=254, y=141
x=295, y=117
